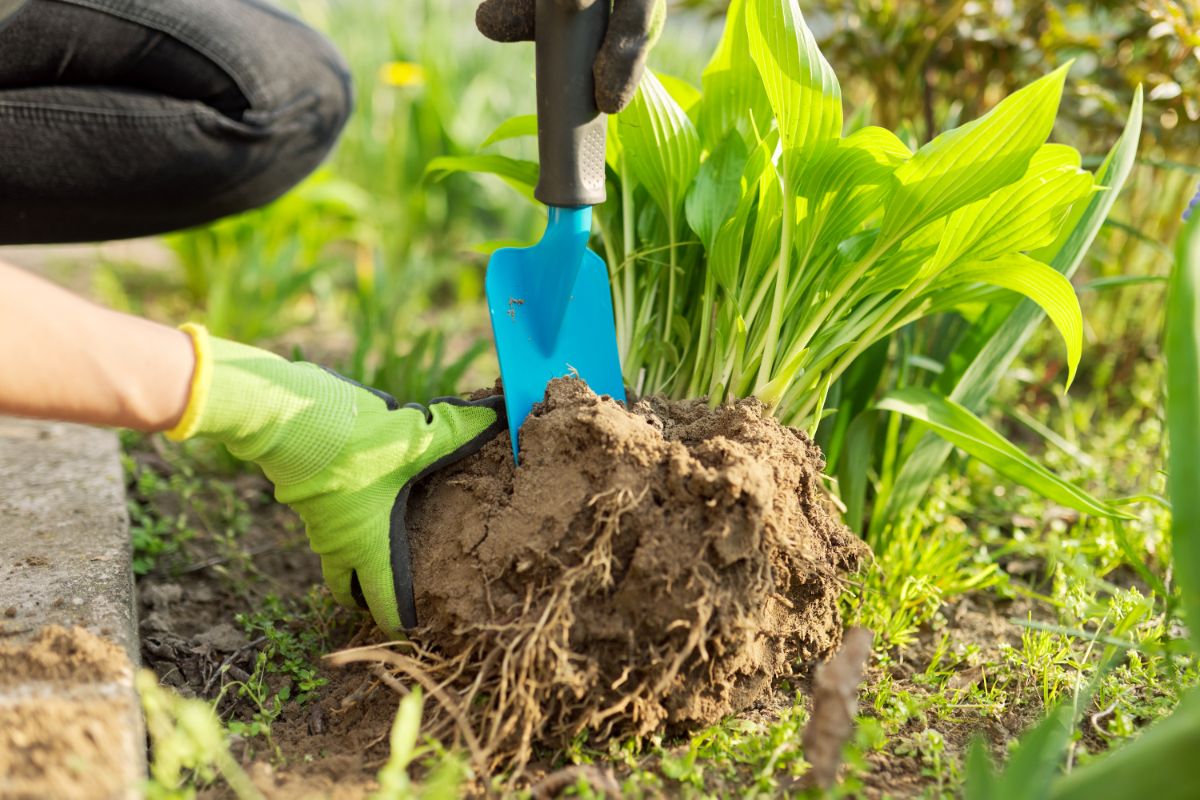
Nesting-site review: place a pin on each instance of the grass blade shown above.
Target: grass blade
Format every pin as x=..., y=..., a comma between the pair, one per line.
x=963, y=429
x=1183, y=418
x=854, y=469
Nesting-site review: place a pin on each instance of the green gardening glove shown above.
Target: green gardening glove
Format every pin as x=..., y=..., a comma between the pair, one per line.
x=343, y=456
x=633, y=29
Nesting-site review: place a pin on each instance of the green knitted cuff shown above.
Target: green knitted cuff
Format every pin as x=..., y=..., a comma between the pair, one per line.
x=290, y=418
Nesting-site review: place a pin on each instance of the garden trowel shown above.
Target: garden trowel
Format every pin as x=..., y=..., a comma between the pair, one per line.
x=551, y=305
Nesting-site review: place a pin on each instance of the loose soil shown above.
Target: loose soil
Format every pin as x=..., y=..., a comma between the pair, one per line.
x=58, y=654
x=65, y=701
x=645, y=569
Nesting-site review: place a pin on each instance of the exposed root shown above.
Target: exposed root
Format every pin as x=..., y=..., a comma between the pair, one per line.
x=600, y=779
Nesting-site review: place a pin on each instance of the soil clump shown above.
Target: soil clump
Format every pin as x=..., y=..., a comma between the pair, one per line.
x=658, y=567
x=66, y=702
x=58, y=654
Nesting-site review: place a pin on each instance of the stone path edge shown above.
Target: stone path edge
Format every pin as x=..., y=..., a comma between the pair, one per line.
x=65, y=558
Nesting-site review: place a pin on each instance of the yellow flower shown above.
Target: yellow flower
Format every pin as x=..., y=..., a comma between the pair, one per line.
x=402, y=74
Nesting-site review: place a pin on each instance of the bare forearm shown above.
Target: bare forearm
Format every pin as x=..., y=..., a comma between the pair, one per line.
x=62, y=357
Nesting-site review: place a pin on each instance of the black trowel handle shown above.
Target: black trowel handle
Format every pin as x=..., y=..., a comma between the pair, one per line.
x=570, y=127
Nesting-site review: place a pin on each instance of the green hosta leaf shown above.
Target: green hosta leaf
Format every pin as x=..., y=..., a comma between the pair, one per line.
x=979, y=380
x=1183, y=418
x=765, y=241
x=1039, y=282
x=903, y=266
x=963, y=429
x=1022, y=216
x=682, y=92
x=733, y=90
x=717, y=189
x=803, y=90
x=725, y=257
x=512, y=128
x=660, y=145
x=521, y=175
x=844, y=186
x=972, y=161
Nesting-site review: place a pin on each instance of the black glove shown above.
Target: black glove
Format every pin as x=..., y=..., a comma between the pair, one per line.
x=633, y=29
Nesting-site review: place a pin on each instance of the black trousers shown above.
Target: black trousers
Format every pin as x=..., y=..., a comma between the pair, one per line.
x=123, y=118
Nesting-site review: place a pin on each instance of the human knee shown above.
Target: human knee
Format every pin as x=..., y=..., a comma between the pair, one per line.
x=301, y=84
x=299, y=94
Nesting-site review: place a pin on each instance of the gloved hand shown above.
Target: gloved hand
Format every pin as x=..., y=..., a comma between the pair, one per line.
x=633, y=30
x=343, y=456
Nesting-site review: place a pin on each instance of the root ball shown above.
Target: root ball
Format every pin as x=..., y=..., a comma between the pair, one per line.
x=647, y=568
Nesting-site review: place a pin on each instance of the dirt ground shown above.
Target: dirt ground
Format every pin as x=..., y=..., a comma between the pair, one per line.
x=333, y=744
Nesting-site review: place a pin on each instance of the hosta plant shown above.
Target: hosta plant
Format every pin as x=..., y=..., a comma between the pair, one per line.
x=761, y=242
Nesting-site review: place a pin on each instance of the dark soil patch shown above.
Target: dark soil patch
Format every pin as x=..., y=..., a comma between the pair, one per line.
x=640, y=571
x=329, y=746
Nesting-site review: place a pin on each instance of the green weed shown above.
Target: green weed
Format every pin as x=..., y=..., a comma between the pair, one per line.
x=286, y=652
x=920, y=565
x=170, y=504
x=189, y=746
x=445, y=772
x=291, y=640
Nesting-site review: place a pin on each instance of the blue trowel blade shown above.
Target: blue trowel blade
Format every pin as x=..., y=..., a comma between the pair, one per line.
x=552, y=316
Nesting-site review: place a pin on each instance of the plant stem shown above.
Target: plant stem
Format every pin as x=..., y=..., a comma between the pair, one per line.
x=670, y=277
x=838, y=294
x=627, y=219
x=781, y=283
x=877, y=329
x=657, y=380
x=883, y=325
x=698, y=369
